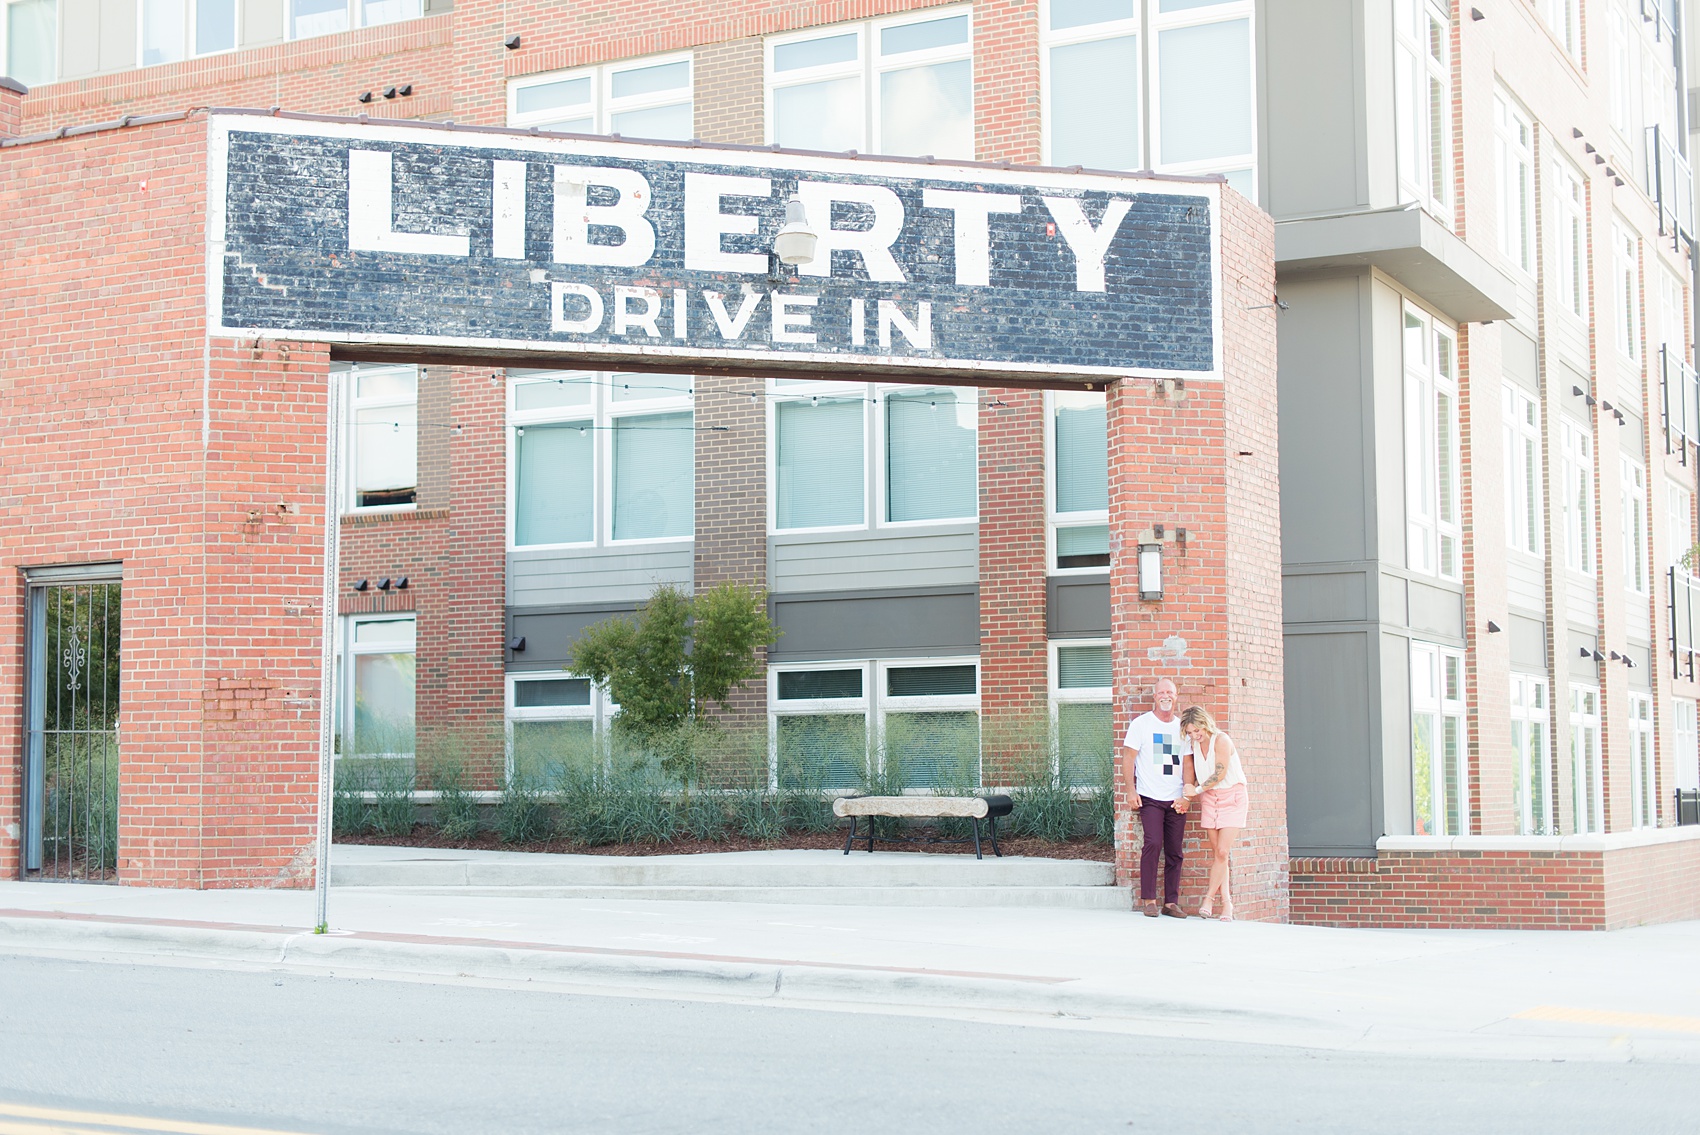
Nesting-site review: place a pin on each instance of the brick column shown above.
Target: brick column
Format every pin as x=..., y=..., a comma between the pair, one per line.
x=727, y=99
x=12, y=95
x=1208, y=463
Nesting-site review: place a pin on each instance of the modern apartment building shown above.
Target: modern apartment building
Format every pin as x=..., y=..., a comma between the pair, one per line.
x=1488, y=415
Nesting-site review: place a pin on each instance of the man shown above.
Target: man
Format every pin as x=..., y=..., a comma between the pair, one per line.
x=1156, y=751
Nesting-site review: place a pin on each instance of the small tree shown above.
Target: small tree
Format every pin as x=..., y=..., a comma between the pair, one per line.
x=679, y=656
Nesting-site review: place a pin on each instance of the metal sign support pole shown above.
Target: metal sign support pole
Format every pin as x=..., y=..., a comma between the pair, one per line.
x=327, y=656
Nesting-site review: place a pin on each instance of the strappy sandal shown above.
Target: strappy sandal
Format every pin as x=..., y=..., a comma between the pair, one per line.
x=1204, y=909
x=1227, y=914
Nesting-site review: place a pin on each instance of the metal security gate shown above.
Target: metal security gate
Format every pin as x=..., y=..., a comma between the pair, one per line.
x=71, y=723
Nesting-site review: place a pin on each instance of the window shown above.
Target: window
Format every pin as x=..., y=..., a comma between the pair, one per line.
x=1679, y=515
x=1626, y=289
x=375, y=684
x=1202, y=113
x=1570, y=248
x=1586, y=785
x=1080, y=704
x=925, y=446
x=1521, y=416
x=554, y=718
x=1643, y=771
x=1431, y=448
x=1514, y=156
x=1564, y=19
x=325, y=17
x=1623, y=78
x=1440, y=796
x=32, y=41
x=1533, y=767
x=896, y=86
x=381, y=460
x=601, y=458
x=1687, y=756
x=1576, y=497
x=1673, y=325
x=922, y=717
x=1092, y=83
x=1422, y=76
x=1080, y=482
x=649, y=98
x=1633, y=499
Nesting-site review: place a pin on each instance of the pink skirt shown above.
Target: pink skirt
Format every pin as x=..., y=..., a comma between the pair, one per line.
x=1224, y=807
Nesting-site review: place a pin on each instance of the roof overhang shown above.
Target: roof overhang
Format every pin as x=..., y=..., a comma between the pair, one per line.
x=1408, y=245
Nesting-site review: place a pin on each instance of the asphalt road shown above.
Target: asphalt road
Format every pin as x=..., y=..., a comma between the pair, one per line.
x=144, y=1048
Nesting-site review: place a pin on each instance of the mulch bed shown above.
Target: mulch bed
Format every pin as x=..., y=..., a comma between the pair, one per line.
x=426, y=836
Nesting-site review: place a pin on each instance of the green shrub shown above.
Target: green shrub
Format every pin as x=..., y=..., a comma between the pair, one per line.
x=522, y=812
x=351, y=812
x=457, y=809
x=808, y=812
x=703, y=816
x=393, y=810
x=758, y=814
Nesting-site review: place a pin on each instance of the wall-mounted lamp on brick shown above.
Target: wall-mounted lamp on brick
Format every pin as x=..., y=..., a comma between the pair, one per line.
x=401, y=584
x=1582, y=394
x=363, y=585
x=406, y=90
x=1493, y=627
x=365, y=96
x=1597, y=656
x=1170, y=388
x=517, y=645
x=511, y=43
x=386, y=584
x=1150, y=571
x=390, y=92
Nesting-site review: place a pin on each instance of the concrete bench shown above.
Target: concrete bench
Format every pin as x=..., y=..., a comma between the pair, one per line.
x=973, y=808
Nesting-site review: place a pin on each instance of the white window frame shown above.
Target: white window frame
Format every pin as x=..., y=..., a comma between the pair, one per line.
x=1077, y=518
x=603, y=105
x=1432, y=500
x=1633, y=501
x=1524, y=511
x=1567, y=203
x=1679, y=521
x=876, y=496
x=1672, y=316
x=1643, y=764
x=1088, y=33
x=1576, y=496
x=1514, y=156
x=1161, y=22
x=1563, y=19
x=1443, y=709
x=1587, y=778
x=600, y=712
x=603, y=412
x=58, y=36
x=1531, y=714
x=1686, y=758
x=351, y=436
x=1418, y=146
x=346, y=650
x=1626, y=289
x=886, y=704
x=816, y=707
x=868, y=66
x=1077, y=695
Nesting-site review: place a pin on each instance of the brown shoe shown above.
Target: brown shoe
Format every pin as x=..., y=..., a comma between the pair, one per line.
x=1173, y=910
x=1151, y=909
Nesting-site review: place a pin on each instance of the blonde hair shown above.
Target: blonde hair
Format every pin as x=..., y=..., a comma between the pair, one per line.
x=1198, y=715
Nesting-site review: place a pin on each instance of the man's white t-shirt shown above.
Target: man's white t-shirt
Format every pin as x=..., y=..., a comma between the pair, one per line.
x=1158, y=747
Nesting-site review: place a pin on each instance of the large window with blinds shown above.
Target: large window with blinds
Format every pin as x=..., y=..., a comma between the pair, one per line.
x=643, y=98
x=852, y=455
x=1078, y=497
x=554, y=719
x=380, y=437
x=1081, y=708
x=600, y=458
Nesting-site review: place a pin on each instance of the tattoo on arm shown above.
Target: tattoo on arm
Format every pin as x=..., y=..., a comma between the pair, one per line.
x=1221, y=771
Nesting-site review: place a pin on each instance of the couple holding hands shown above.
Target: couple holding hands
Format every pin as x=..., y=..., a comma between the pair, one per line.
x=1174, y=759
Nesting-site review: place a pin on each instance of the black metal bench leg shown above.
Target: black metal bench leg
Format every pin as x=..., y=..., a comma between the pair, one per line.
x=976, y=837
x=850, y=836
x=994, y=822
x=870, y=835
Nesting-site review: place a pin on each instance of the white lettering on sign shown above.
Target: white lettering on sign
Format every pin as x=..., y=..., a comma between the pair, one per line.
x=731, y=327
x=785, y=321
x=919, y=333
x=1089, y=244
x=625, y=318
x=973, y=228
x=705, y=223
x=575, y=216
x=507, y=210
x=873, y=244
x=558, y=321
x=371, y=212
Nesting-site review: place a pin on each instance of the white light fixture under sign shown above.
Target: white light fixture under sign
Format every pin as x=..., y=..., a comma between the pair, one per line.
x=795, y=242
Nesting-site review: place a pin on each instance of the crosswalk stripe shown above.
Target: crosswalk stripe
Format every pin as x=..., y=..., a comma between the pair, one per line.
x=1655, y=1021
x=59, y=1121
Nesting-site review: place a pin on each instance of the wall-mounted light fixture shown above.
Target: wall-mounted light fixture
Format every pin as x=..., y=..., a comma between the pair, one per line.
x=386, y=584
x=511, y=43
x=363, y=585
x=794, y=243
x=1584, y=652
x=1597, y=656
x=401, y=584
x=1582, y=394
x=1151, y=571
x=365, y=96
x=517, y=645
x=1493, y=627
x=1615, y=656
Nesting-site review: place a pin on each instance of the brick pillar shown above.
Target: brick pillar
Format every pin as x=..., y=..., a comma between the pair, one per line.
x=1208, y=463
x=727, y=99
x=1013, y=665
x=1006, y=81
x=12, y=95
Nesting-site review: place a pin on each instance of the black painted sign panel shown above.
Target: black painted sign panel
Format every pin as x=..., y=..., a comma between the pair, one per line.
x=399, y=235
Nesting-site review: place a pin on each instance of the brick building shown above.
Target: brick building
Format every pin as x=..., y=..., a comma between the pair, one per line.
x=1477, y=210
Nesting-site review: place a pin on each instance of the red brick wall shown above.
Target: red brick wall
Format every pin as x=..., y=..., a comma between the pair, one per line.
x=1526, y=890
x=1207, y=463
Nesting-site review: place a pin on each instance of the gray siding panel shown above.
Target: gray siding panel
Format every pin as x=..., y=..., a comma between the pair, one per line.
x=901, y=624
x=1330, y=597
x=1526, y=581
x=1077, y=606
x=597, y=575
x=1396, y=816
x=1437, y=612
x=549, y=632
x=1330, y=755
x=1528, y=644
x=1316, y=110
x=943, y=556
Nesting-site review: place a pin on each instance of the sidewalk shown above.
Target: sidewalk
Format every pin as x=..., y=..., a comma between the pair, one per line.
x=1514, y=994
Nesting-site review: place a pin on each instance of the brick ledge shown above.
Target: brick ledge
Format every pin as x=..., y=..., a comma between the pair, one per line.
x=362, y=519
x=1610, y=841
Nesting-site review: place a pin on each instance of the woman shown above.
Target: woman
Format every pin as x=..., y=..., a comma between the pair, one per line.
x=1221, y=789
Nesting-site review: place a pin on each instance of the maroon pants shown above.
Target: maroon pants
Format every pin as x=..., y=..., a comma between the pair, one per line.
x=1165, y=831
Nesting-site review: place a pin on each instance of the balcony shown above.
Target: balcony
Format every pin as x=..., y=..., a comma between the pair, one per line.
x=1670, y=184
x=1684, y=623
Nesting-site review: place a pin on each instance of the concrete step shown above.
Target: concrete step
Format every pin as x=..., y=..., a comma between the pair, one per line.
x=822, y=877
